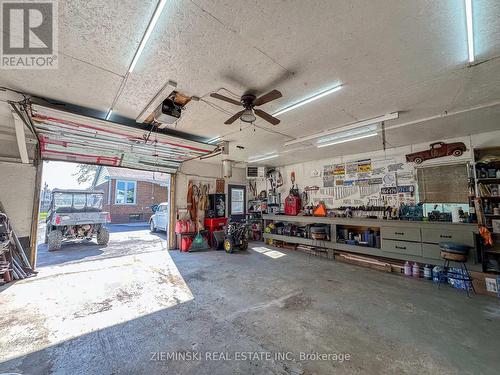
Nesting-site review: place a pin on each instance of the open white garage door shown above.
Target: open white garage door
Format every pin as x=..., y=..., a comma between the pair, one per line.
x=71, y=137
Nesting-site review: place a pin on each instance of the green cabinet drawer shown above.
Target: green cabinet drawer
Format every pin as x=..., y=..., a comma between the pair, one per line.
x=442, y=235
x=401, y=233
x=431, y=251
x=402, y=247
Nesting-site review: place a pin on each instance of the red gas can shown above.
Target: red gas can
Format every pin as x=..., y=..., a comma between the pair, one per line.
x=186, y=243
x=292, y=205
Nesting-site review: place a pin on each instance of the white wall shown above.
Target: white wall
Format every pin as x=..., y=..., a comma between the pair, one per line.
x=393, y=155
x=207, y=173
x=17, y=191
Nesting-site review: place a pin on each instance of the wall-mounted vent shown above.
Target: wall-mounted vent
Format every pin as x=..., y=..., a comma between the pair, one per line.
x=256, y=172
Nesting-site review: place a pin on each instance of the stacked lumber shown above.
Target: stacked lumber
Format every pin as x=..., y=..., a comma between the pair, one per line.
x=306, y=249
x=13, y=261
x=363, y=261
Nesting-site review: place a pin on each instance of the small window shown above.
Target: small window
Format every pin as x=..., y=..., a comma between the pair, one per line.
x=237, y=201
x=79, y=201
x=443, y=184
x=125, y=192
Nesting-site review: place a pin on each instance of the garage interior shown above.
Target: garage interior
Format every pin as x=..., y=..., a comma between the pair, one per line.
x=333, y=200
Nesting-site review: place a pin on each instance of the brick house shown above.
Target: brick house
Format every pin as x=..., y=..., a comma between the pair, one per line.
x=129, y=194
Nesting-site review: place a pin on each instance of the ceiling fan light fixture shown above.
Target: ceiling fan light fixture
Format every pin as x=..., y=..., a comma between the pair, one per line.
x=248, y=116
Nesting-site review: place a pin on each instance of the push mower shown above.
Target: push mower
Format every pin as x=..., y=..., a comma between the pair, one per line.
x=236, y=236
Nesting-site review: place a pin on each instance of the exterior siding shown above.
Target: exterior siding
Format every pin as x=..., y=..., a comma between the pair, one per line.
x=102, y=176
x=148, y=194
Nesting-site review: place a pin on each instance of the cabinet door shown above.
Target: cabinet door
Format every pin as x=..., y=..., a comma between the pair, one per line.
x=443, y=235
x=401, y=233
x=402, y=247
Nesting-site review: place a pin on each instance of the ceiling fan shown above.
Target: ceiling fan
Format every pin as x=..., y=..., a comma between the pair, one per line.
x=249, y=102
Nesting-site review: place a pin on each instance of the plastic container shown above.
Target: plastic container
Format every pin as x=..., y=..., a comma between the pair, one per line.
x=436, y=273
x=427, y=272
x=407, y=269
x=416, y=270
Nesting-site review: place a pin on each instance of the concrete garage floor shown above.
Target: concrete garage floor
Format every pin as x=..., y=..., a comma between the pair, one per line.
x=126, y=314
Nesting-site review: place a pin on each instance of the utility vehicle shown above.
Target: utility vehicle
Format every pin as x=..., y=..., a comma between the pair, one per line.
x=76, y=214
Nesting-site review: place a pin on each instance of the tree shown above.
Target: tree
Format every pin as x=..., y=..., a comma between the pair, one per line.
x=85, y=173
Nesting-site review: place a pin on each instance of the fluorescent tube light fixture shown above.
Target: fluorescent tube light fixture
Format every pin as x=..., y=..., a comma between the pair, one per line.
x=344, y=140
x=470, y=30
x=149, y=30
x=349, y=133
x=355, y=125
x=308, y=100
x=262, y=158
x=110, y=112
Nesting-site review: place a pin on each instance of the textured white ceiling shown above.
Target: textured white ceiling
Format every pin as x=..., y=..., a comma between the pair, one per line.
x=391, y=55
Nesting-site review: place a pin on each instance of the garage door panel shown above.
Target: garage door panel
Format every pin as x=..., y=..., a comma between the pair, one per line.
x=71, y=137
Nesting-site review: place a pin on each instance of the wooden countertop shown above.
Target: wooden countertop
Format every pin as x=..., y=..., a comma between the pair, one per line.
x=373, y=222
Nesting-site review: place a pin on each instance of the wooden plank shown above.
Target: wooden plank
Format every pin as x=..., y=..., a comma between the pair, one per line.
x=379, y=266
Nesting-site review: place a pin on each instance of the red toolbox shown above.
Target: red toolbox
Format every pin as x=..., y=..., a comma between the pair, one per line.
x=213, y=225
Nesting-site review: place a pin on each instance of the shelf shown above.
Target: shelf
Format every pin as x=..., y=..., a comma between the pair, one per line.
x=372, y=223
x=326, y=244
x=299, y=240
x=489, y=180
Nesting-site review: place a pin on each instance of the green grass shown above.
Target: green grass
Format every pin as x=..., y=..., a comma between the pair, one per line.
x=42, y=216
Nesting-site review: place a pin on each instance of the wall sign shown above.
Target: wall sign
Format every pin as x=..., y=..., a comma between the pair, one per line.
x=406, y=189
x=389, y=180
x=375, y=181
x=389, y=190
x=339, y=170
x=394, y=167
x=364, y=166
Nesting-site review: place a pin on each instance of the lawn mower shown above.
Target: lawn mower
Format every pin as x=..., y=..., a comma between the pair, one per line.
x=236, y=236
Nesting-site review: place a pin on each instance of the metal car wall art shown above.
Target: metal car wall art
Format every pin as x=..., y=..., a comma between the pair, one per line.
x=437, y=150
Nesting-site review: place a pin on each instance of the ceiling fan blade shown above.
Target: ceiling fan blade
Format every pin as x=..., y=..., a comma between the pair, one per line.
x=269, y=97
x=234, y=118
x=266, y=116
x=225, y=98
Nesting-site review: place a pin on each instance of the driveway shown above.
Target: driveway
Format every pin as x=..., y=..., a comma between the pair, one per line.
x=124, y=239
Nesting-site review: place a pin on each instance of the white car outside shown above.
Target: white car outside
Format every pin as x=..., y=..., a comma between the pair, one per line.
x=159, y=220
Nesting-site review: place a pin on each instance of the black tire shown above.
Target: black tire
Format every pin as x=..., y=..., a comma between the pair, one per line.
x=152, y=227
x=216, y=244
x=418, y=160
x=54, y=240
x=244, y=244
x=228, y=245
x=457, y=152
x=103, y=237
